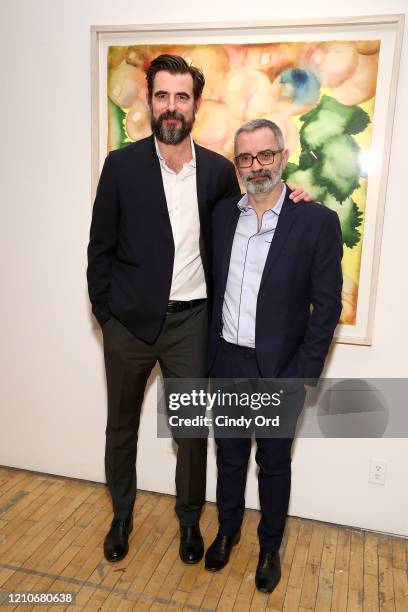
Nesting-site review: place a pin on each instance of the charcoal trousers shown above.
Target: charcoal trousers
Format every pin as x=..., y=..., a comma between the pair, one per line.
x=181, y=351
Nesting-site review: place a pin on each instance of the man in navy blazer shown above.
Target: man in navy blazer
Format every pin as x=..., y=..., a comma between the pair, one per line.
x=277, y=301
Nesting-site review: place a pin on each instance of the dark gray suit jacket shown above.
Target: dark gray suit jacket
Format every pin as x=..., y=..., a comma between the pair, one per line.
x=131, y=247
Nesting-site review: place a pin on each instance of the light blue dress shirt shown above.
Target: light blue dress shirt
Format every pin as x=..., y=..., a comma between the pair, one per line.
x=248, y=256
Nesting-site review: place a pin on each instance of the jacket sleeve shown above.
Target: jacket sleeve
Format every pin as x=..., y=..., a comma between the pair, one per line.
x=103, y=241
x=326, y=281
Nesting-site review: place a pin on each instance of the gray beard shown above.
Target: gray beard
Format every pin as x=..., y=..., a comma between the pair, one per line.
x=272, y=178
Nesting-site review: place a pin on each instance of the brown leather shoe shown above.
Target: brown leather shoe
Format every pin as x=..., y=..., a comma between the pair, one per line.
x=116, y=544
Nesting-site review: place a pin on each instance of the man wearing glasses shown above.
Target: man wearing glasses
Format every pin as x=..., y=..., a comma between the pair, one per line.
x=277, y=301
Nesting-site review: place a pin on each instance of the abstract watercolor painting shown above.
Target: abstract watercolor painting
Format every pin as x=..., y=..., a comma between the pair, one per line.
x=322, y=95
x=329, y=84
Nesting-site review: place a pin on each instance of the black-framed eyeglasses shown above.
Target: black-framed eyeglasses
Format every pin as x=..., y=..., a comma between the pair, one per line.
x=265, y=158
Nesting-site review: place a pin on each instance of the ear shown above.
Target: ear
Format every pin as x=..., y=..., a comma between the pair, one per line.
x=285, y=158
x=197, y=104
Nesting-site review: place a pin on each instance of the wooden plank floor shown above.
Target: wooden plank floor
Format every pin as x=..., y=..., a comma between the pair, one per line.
x=52, y=530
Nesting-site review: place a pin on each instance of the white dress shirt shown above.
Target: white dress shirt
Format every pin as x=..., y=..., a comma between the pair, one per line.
x=188, y=281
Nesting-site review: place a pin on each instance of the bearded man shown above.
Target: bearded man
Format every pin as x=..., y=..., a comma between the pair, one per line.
x=277, y=301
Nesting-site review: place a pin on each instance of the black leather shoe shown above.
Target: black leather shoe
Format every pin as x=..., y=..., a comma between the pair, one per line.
x=191, y=544
x=217, y=556
x=268, y=572
x=116, y=544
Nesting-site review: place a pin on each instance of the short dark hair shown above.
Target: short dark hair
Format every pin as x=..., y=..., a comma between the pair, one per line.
x=175, y=65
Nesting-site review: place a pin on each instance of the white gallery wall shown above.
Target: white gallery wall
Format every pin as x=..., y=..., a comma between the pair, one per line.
x=52, y=393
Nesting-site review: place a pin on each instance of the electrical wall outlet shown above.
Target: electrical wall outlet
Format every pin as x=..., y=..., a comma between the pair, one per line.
x=378, y=470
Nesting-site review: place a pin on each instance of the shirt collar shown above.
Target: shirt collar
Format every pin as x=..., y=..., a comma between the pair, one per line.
x=244, y=206
x=192, y=161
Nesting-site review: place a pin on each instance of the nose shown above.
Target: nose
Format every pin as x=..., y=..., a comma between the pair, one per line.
x=171, y=103
x=256, y=165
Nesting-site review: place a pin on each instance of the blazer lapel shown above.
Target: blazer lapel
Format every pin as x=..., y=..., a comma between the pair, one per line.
x=204, y=212
x=153, y=164
x=201, y=176
x=229, y=234
x=157, y=197
x=285, y=221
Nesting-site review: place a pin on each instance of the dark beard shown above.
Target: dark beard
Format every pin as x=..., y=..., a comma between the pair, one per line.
x=171, y=134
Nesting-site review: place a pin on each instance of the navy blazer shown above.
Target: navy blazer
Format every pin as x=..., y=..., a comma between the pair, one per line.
x=299, y=300
x=131, y=247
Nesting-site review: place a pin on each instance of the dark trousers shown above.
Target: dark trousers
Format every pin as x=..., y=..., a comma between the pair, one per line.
x=273, y=457
x=181, y=350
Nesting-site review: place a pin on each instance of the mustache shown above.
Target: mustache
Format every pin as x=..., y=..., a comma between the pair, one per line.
x=259, y=174
x=171, y=115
